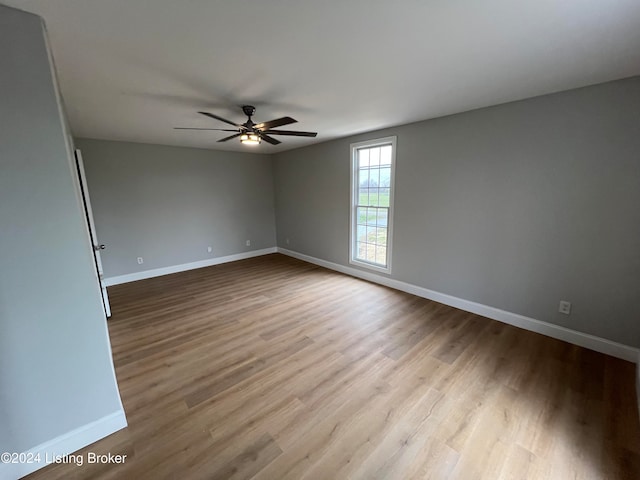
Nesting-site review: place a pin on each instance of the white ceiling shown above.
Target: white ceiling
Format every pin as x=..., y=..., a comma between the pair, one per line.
x=134, y=69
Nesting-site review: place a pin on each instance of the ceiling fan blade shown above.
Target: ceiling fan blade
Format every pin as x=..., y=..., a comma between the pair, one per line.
x=269, y=139
x=219, y=118
x=196, y=128
x=291, y=132
x=229, y=137
x=278, y=122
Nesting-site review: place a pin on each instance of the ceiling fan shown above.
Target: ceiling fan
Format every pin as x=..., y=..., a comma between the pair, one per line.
x=253, y=133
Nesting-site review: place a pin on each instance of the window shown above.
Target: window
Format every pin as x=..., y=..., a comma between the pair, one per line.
x=372, y=175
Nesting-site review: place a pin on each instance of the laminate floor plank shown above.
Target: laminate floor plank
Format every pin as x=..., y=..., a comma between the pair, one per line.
x=271, y=368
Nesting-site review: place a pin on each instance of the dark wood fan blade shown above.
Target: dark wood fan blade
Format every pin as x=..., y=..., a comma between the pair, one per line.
x=196, y=128
x=291, y=132
x=269, y=139
x=229, y=137
x=278, y=122
x=219, y=118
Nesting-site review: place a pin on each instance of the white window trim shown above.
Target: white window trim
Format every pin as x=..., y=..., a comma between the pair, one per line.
x=354, y=202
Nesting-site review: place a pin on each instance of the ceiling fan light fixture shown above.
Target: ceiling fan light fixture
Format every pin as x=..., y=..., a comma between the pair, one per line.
x=251, y=133
x=250, y=139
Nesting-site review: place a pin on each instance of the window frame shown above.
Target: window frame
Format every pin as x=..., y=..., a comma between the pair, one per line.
x=355, y=198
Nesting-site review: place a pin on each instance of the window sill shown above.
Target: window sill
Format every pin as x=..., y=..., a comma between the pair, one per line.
x=370, y=266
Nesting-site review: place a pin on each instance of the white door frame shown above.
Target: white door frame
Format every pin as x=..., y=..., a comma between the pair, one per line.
x=97, y=247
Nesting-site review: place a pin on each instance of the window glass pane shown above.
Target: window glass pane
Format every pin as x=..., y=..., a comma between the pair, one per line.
x=385, y=177
x=362, y=233
x=371, y=252
x=371, y=234
x=374, y=156
x=381, y=255
x=361, y=215
x=381, y=236
x=376, y=221
x=383, y=199
x=374, y=177
x=373, y=196
x=363, y=196
x=371, y=216
x=385, y=155
x=361, y=251
x=363, y=157
x=382, y=217
x=363, y=177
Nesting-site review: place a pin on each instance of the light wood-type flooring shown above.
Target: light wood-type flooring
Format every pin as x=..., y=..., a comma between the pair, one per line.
x=274, y=369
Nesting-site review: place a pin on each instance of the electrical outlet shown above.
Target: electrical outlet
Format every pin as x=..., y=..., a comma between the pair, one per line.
x=565, y=307
x=248, y=243
x=140, y=260
x=209, y=249
x=287, y=241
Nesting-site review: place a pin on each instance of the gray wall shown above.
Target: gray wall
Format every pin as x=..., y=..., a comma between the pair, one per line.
x=55, y=361
x=515, y=206
x=168, y=204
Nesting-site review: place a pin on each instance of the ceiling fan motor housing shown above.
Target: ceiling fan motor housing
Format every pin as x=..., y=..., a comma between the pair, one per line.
x=248, y=110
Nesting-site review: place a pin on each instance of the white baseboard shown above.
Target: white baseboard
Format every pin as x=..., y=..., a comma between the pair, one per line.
x=555, y=331
x=157, y=272
x=64, y=445
x=586, y=340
